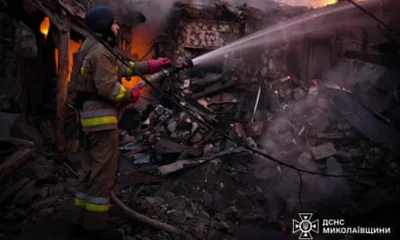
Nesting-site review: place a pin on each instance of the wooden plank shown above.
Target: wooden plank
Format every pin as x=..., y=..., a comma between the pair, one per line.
x=13, y=189
x=62, y=84
x=55, y=20
x=76, y=10
x=14, y=161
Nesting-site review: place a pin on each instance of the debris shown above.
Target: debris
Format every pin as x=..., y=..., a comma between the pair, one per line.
x=182, y=164
x=17, y=159
x=323, y=151
x=364, y=121
x=7, y=121
x=43, y=168
x=27, y=194
x=46, y=212
x=19, y=141
x=49, y=202
x=179, y=165
x=148, y=221
x=256, y=129
x=299, y=94
x=13, y=189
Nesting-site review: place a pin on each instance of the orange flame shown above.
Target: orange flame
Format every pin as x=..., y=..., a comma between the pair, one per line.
x=73, y=47
x=141, y=42
x=45, y=26
x=142, y=39
x=330, y=2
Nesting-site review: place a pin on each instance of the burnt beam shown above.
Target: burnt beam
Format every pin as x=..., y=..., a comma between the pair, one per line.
x=62, y=83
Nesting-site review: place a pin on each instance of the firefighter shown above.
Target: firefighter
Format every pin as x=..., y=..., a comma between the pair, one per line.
x=96, y=77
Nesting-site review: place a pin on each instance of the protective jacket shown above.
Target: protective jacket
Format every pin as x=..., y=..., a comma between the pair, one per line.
x=99, y=77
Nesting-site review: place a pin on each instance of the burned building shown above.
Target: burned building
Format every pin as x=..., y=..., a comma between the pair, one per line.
x=286, y=110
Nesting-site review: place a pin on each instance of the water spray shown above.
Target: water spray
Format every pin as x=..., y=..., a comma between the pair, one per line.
x=293, y=28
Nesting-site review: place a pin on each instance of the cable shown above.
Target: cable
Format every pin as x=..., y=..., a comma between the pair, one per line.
x=300, y=190
x=256, y=151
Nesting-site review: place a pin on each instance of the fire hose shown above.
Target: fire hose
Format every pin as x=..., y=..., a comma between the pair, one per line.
x=148, y=221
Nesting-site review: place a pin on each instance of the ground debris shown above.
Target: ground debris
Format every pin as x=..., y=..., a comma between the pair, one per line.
x=323, y=151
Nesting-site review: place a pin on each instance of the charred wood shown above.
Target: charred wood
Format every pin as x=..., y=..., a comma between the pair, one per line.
x=62, y=85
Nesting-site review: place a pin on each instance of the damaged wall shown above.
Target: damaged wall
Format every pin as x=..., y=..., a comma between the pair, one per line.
x=324, y=47
x=16, y=42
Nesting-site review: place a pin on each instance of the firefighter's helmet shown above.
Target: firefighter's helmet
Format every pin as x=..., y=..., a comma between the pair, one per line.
x=100, y=18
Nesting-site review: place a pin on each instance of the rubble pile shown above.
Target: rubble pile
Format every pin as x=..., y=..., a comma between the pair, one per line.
x=200, y=201
x=299, y=125
x=312, y=134
x=35, y=191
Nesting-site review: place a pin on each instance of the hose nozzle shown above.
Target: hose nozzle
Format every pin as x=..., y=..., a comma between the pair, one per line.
x=187, y=64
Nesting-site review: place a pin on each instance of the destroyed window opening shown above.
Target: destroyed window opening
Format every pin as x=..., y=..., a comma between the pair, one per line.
x=253, y=150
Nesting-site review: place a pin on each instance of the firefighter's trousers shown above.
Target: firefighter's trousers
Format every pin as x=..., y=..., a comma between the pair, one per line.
x=99, y=165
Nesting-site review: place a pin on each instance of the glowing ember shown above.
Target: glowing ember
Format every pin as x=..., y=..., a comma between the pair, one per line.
x=45, y=26
x=276, y=92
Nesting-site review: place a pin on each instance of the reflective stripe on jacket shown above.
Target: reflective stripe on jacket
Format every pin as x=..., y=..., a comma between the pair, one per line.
x=102, y=73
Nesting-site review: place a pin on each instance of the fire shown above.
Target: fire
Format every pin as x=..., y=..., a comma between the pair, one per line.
x=141, y=42
x=45, y=26
x=73, y=47
x=142, y=39
x=276, y=92
x=330, y=2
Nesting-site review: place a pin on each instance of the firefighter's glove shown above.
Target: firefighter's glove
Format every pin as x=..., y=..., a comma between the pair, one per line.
x=158, y=64
x=136, y=92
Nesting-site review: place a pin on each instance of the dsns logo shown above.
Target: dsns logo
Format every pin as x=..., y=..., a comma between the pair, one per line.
x=305, y=226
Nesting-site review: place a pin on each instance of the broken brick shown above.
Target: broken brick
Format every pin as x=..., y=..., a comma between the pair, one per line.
x=323, y=151
x=46, y=212
x=49, y=202
x=255, y=129
x=27, y=194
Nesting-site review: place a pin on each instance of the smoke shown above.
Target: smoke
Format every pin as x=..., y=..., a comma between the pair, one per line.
x=315, y=24
x=286, y=139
